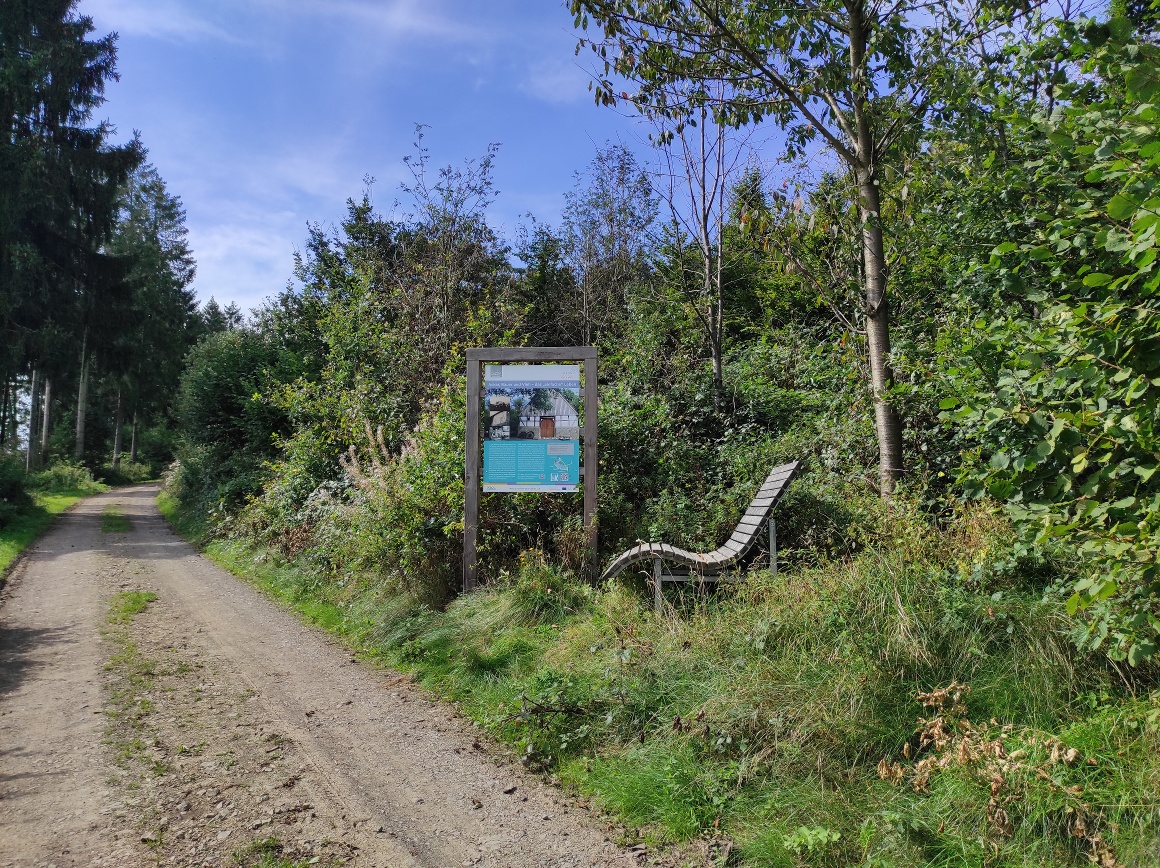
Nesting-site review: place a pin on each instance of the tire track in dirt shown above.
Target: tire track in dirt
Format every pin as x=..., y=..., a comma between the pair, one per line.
x=56, y=801
x=257, y=727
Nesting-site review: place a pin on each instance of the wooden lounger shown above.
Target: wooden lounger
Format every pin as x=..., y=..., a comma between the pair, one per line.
x=702, y=565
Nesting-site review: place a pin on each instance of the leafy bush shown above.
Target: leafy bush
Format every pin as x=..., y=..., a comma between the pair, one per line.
x=230, y=430
x=66, y=476
x=127, y=473
x=1067, y=416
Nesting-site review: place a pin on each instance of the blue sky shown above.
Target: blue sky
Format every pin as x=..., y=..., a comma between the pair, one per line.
x=265, y=114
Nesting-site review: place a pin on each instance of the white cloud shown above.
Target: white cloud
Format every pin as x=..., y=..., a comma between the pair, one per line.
x=246, y=258
x=399, y=18
x=170, y=20
x=556, y=80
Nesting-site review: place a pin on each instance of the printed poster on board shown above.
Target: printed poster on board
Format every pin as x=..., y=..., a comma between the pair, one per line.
x=531, y=439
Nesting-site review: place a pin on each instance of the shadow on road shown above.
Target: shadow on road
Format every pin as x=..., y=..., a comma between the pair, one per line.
x=17, y=647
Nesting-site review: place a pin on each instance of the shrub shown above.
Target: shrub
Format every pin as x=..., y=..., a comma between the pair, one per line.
x=127, y=473
x=66, y=476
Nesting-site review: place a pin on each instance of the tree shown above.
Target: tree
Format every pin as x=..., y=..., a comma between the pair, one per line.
x=215, y=318
x=545, y=283
x=148, y=350
x=58, y=177
x=859, y=77
x=451, y=237
x=608, y=216
x=700, y=164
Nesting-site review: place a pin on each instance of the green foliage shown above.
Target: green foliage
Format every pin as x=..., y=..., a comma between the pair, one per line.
x=1067, y=412
x=810, y=839
x=230, y=429
x=127, y=473
x=59, y=177
x=773, y=719
x=65, y=476
x=127, y=604
x=267, y=853
x=539, y=593
x=13, y=496
x=25, y=525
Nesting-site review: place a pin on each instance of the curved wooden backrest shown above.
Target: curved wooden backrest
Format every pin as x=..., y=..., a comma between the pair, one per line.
x=742, y=540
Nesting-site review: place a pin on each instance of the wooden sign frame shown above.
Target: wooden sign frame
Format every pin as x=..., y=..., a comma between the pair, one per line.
x=476, y=359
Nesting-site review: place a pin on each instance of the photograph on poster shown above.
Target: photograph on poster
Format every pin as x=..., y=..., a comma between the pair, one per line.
x=531, y=428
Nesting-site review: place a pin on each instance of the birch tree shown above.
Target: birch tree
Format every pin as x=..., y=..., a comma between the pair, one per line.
x=608, y=215
x=700, y=164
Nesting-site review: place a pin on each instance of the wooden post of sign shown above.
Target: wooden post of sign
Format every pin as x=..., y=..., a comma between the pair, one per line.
x=588, y=437
x=473, y=474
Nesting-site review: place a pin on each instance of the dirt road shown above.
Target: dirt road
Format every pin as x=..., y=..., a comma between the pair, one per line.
x=213, y=728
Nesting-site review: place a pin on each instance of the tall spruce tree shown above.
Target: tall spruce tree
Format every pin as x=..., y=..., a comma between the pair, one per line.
x=162, y=321
x=59, y=178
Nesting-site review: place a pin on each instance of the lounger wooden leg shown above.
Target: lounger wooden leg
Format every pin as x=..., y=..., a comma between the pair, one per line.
x=658, y=595
x=773, y=548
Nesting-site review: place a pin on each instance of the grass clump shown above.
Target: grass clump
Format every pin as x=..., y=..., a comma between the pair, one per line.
x=268, y=853
x=125, y=605
x=113, y=520
x=133, y=676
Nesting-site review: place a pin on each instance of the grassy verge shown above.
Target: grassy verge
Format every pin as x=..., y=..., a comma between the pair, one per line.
x=23, y=529
x=918, y=705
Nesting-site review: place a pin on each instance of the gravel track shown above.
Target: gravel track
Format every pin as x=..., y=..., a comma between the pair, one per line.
x=247, y=726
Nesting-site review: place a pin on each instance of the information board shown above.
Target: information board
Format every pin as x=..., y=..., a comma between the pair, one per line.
x=531, y=428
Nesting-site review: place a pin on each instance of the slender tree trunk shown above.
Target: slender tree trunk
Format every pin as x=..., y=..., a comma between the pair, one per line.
x=118, y=424
x=4, y=415
x=133, y=441
x=886, y=420
x=46, y=418
x=30, y=462
x=82, y=399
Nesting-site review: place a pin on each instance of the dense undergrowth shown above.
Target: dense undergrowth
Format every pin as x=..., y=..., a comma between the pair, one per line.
x=920, y=703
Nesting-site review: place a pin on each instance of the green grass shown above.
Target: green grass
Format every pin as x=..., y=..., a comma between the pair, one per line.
x=782, y=720
x=126, y=604
x=24, y=528
x=127, y=706
x=113, y=520
x=268, y=853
